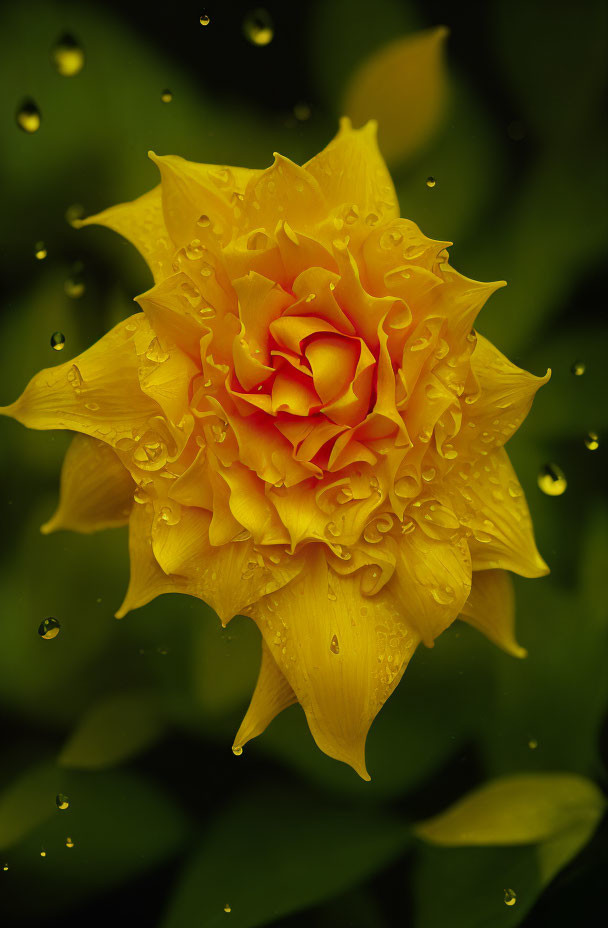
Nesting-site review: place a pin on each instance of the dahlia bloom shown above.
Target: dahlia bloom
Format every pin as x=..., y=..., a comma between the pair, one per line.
x=302, y=426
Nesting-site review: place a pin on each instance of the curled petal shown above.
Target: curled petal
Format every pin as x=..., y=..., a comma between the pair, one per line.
x=490, y=609
x=96, y=490
x=272, y=694
x=342, y=653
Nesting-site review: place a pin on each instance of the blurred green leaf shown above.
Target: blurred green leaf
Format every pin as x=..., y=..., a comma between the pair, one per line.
x=112, y=730
x=545, y=819
x=225, y=664
x=275, y=852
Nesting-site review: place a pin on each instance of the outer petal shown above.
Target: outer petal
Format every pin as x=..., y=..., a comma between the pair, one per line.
x=491, y=504
x=97, y=393
x=272, y=694
x=147, y=580
x=283, y=192
x=490, y=609
x=342, y=653
x=96, y=490
x=141, y=222
x=352, y=170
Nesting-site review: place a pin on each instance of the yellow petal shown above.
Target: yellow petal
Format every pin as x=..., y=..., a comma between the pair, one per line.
x=96, y=490
x=351, y=170
x=342, y=653
x=283, y=192
x=166, y=376
x=147, y=579
x=402, y=86
x=505, y=397
x=521, y=809
x=490, y=503
x=490, y=609
x=432, y=581
x=272, y=694
x=97, y=393
x=228, y=577
x=141, y=222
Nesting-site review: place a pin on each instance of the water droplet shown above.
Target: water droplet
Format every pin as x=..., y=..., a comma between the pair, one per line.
x=430, y=181
x=57, y=340
x=203, y=221
x=592, y=441
x=69, y=842
x=301, y=111
x=74, y=287
x=258, y=27
x=510, y=897
x=73, y=213
x=578, y=368
x=67, y=56
x=28, y=117
x=5, y=866
x=62, y=801
x=552, y=480
x=49, y=628
x=204, y=19
x=40, y=251
x=237, y=750
x=227, y=907
x=43, y=853
x=532, y=744
x=334, y=646
x=166, y=95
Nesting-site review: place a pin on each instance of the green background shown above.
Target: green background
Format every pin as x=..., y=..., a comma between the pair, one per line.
x=134, y=719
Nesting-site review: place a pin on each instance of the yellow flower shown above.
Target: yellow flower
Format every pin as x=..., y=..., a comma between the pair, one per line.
x=302, y=426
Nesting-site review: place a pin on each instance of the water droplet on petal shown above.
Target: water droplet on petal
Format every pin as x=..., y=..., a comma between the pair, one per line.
x=237, y=751
x=258, y=27
x=592, y=441
x=203, y=221
x=40, y=251
x=68, y=56
x=334, y=646
x=578, y=368
x=166, y=95
x=28, y=117
x=62, y=801
x=430, y=181
x=57, y=340
x=49, y=628
x=510, y=897
x=552, y=480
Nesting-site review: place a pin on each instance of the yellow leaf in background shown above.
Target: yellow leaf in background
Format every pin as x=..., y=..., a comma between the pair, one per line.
x=521, y=809
x=402, y=86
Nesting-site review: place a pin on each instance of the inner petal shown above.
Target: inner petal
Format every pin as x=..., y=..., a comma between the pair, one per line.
x=333, y=361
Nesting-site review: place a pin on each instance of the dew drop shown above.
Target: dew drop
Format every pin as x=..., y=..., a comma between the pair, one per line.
x=62, y=801
x=204, y=19
x=532, y=744
x=40, y=251
x=578, y=368
x=430, y=181
x=510, y=897
x=43, y=853
x=334, y=646
x=592, y=441
x=194, y=249
x=73, y=213
x=203, y=221
x=74, y=287
x=67, y=56
x=552, y=480
x=166, y=96
x=28, y=117
x=57, y=340
x=49, y=628
x=69, y=842
x=258, y=27
x=237, y=750
x=5, y=867
x=227, y=908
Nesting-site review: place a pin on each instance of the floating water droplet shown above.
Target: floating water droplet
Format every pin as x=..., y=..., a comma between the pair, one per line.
x=62, y=801
x=57, y=340
x=552, y=480
x=532, y=744
x=592, y=441
x=166, y=95
x=43, y=853
x=430, y=181
x=258, y=27
x=28, y=117
x=578, y=368
x=5, y=866
x=40, y=251
x=69, y=842
x=334, y=646
x=67, y=56
x=49, y=628
x=301, y=111
x=204, y=19
x=237, y=750
x=227, y=907
x=74, y=287
x=510, y=897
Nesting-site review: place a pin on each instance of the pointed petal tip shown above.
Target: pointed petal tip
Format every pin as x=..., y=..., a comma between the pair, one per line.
x=51, y=526
x=9, y=410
